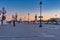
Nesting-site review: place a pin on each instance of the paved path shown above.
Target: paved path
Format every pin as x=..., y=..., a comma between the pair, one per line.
x=29, y=32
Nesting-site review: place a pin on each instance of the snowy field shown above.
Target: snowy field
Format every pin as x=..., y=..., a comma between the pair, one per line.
x=29, y=32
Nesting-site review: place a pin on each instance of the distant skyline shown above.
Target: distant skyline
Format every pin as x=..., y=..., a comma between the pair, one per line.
x=49, y=8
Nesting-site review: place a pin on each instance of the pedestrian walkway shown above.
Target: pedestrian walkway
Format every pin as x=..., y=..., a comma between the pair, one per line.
x=27, y=32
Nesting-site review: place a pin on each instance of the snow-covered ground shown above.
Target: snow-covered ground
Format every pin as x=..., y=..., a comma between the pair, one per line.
x=29, y=32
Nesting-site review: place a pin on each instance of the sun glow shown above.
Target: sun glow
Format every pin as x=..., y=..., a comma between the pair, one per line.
x=26, y=18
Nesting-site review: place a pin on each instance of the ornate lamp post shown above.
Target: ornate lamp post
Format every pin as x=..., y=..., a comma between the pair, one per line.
x=16, y=17
x=56, y=19
x=40, y=14
x=35, y=18
x=3, y=14
x=13, y=20
x=28, y=18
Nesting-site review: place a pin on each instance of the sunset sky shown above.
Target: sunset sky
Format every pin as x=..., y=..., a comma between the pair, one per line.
x=49, y=8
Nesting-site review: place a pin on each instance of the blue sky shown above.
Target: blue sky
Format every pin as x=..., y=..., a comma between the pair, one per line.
x=22, y=7
x=51, y=4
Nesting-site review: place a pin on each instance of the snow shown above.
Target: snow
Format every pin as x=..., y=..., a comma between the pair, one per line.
x=26, y=31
